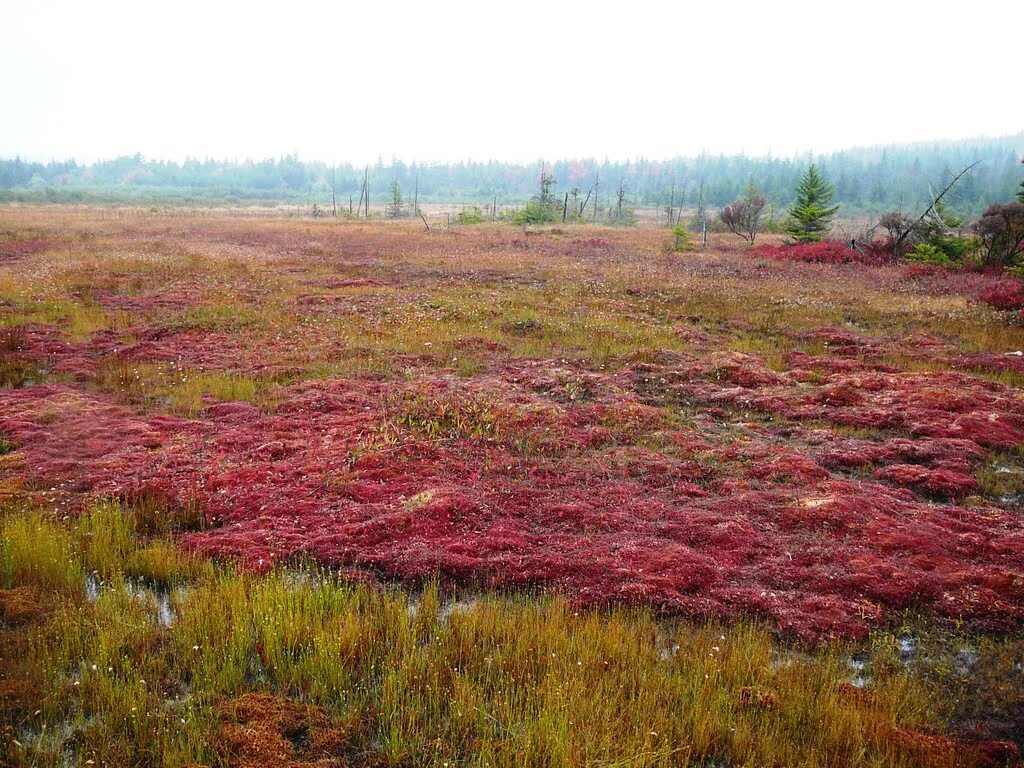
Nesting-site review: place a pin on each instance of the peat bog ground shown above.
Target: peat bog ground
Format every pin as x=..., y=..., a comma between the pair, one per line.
x=289, y=492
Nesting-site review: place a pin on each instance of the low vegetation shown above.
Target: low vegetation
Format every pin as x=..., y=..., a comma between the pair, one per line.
x=279, y=491
x=299, y=666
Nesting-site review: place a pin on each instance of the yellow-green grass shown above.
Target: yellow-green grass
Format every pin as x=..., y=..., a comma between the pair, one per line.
x=168, y=387
x=496, y=680
x=37, y=551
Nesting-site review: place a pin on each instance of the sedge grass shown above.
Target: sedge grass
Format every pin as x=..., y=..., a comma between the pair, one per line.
x=499, y=680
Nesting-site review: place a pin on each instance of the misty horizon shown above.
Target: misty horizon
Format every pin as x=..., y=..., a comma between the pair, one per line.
x=382, y=161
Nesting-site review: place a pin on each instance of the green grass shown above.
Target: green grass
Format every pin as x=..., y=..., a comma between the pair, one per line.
x=108, y=536
x=500, y=680
x=37, y=551
x=522, y=679
x=1002, y=476
x=179, y=391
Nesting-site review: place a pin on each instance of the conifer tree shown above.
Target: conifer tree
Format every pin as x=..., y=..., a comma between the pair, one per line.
x=811, y=214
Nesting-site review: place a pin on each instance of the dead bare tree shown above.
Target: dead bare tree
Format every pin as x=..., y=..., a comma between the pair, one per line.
x=334, y=195
x=366, y=183
x=591, y=191
x=702, y=208
x=901, y=227
x=620, y=195
x=362, y=194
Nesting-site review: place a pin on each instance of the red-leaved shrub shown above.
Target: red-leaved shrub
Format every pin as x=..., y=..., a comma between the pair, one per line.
x=1004, y=294
x=824, y=252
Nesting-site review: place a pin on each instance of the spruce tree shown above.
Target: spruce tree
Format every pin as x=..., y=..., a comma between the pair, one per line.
x=810, y=215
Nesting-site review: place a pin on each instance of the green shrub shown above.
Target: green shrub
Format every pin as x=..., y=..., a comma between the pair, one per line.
x=471, y=215
x=534, y=213
x=926, y=253
x=943, y=250
x=681, y=239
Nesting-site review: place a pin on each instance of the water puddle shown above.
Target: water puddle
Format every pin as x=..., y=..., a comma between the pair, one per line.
x=858, y=665
x=161, y=601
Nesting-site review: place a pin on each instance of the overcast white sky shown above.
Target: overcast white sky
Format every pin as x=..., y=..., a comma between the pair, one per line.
x=514, y=81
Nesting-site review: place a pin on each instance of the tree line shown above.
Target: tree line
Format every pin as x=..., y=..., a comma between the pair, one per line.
x=866, y=180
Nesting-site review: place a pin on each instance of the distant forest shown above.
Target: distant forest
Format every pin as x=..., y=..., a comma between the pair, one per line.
x=866, y=180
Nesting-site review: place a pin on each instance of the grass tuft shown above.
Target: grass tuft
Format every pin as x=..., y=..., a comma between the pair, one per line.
x=36, y=551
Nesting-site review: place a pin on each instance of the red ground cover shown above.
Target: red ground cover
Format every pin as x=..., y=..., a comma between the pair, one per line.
x=988, y=285
x=818, y=493
x=1004, y=294
x=824, y=252
x=565, y=494
x=16, y=249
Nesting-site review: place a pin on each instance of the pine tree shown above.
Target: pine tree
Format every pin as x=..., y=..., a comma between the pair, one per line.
x=811, y=214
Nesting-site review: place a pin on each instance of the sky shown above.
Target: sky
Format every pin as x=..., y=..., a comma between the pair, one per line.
x=447, y=81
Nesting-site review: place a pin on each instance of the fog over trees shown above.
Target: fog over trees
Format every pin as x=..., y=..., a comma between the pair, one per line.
x=866, y=180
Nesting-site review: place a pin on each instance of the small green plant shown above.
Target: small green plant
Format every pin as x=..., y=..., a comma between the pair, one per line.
x=681, y=239
x=470, y=215
x=534, y=213
x=439, y=417
x=926, y=253
x=525, y=326
x=542, y=207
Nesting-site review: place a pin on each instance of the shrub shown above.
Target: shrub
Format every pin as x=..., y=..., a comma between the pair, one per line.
x=956, y=247
x=1005, y=294
x=534, y=213
x=934, y=239
x=744, y=216
x=926, y=253
x=681, y=239
x=821, y=252
x=1001, y=233
x=471, y=215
